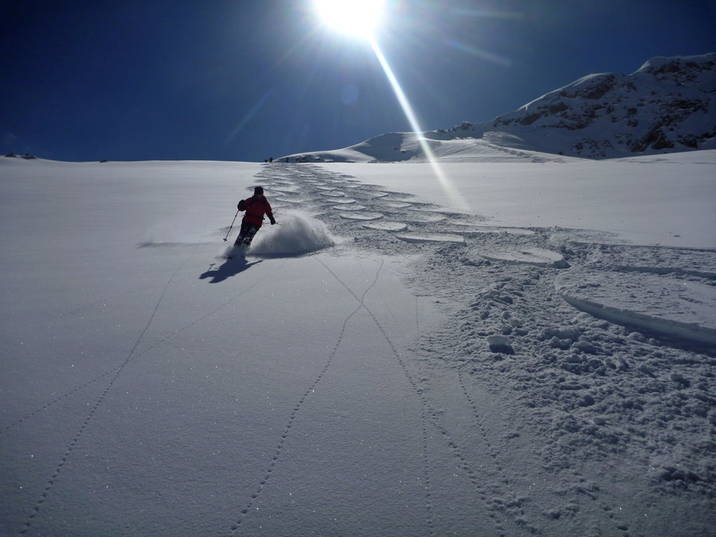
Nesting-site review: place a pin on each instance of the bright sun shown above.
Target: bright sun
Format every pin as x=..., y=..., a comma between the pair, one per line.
x=357, y=18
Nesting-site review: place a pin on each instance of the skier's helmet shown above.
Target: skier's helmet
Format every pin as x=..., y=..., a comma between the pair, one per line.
x=258, y=191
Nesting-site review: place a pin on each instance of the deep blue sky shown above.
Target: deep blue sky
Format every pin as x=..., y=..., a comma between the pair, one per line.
x=245, y=79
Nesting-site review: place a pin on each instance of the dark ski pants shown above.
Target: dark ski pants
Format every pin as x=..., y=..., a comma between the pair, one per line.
x=246, y=234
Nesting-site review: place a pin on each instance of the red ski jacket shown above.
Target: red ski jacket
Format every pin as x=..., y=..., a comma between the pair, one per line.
x=256, y=207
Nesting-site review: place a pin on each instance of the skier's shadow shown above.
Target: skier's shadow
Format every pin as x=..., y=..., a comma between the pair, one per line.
x=231, y=267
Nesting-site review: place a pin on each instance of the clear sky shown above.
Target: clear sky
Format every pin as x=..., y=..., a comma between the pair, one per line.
x=246, y=79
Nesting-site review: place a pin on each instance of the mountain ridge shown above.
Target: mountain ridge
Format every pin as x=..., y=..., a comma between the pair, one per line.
x=667, y=105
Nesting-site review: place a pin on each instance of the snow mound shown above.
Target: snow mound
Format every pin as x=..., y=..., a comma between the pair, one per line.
x=531, y=256
x=671, y=307
x=362, y=216
x=430, y=237
x=333, y=194
x=348, y=207
x=426, y=218
x=700, y=263
x=470, y=228
x=296, y=234
x=293, y=201
x=386, y=226
x=396, y=204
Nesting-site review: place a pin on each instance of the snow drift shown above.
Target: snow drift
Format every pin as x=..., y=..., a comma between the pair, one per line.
x=296, y=234
x=672, y=307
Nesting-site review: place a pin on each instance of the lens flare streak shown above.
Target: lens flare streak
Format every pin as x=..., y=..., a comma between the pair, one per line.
x=445, y=183
x=249, y=116
x=482, y=54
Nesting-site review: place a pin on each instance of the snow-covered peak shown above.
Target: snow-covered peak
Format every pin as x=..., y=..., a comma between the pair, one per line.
x=679, y=64
x=667, y=105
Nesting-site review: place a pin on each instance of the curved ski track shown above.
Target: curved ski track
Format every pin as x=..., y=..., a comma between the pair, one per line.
x=433, y=419
x=297, y=407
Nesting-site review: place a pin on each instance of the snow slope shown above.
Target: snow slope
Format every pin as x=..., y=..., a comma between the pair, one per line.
x=404, y=146
x=418, y=373
x=669, y=200
x=667, y=105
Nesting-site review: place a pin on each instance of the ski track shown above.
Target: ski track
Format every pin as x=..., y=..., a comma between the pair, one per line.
x=425, y=454
x=493, y=511
x=519, y=301
x=500, y=296
x=427, y=408
x=88, y=418
x=97, y=378
x=457, y=452
x=296, y=409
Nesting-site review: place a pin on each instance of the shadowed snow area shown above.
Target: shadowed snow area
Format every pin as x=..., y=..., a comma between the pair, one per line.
x=295, y=234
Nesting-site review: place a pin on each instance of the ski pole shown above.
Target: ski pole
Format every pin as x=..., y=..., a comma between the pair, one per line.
x=232, y=225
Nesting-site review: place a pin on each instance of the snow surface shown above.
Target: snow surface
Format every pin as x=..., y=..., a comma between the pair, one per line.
x=673, y=307
x=530, y=255
x=346, y=381
x=430, y=237
x=669, y=200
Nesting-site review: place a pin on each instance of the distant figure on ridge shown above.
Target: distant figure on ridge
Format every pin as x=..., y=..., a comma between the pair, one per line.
x=256, y=207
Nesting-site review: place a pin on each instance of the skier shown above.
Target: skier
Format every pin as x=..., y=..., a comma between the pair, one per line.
x=256, y=207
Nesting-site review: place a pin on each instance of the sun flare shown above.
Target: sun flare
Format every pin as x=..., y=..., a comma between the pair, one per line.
x=357, y=18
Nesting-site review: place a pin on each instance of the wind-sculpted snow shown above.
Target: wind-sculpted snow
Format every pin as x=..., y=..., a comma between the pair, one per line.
x=295, y=234
x=676, y=308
